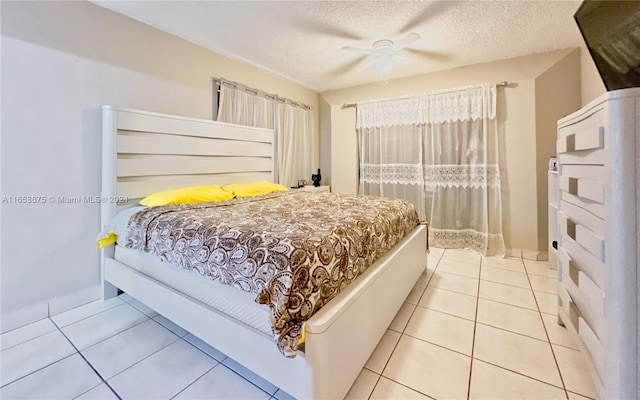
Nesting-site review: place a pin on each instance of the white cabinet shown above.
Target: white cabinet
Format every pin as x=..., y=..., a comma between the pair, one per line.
x=597, y=217
x=553, y=219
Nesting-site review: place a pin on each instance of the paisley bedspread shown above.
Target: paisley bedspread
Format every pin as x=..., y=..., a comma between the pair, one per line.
x=295, y=250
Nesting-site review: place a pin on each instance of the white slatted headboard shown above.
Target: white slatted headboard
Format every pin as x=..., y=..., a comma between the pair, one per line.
x=145, y=152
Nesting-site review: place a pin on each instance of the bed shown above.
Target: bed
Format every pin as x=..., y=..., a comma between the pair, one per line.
x=147, y=152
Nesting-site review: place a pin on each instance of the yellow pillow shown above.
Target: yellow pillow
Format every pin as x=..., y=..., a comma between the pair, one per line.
x=188, y=195
x=253, y=189
x=108, y=240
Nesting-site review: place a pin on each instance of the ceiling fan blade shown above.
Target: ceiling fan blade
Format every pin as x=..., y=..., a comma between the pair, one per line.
x=350, y=66
x=311, y=25
x=405, y=41
x=432, y=9
x=403, y=60
x=366, y=65
x=431, y=55
x=358, y=50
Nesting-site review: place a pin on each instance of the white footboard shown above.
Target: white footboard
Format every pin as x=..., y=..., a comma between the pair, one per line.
x=339, y=338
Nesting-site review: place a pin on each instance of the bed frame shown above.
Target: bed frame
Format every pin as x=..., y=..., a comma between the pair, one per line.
x=145, y=152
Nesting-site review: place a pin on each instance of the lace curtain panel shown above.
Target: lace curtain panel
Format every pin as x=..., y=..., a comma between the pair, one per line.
x=294, y=142
x=439, y=151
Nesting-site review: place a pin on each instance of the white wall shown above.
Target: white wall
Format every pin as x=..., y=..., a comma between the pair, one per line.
x=590, y=81
x=61, y=61
x=551, y=105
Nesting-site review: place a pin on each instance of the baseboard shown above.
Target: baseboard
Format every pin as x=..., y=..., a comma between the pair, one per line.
x=24, y=316
x=44, y=309
x=61, y=304
x=533, y=255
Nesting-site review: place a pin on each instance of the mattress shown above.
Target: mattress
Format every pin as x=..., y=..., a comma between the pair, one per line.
x=234, y=303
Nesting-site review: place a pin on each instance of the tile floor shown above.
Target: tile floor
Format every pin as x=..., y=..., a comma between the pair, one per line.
x=476, y=328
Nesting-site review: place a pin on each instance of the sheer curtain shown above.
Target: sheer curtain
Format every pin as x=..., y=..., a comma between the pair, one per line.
x=440, y=151
x=294, y=140
x=242, y=108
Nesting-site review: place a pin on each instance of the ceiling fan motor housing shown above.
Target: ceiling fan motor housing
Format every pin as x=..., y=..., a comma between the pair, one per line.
x=382, y=46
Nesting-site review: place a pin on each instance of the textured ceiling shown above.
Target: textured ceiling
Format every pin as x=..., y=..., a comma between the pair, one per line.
x=302, y=40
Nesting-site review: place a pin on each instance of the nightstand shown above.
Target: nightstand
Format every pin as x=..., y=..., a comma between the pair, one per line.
x=310, y=188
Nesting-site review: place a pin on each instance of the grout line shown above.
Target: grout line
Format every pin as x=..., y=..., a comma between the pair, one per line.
x=475, y=324
x=198, y=378
x=404, y=328
x=88, y=363
x=377, y=381
x=444, y=312
x=401, y=384
x=28, y=340
x=453, y=291
x=581, y=395
x=89, y=316
x=555, y=359
x=521, y=374
x=514, y=332
x=33, y=372
x=409, y=319
x=437, y=345
x=420, y=298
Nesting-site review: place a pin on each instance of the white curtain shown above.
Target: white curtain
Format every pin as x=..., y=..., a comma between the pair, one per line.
x=294, y=139
x=438, y=150
x=295, y=152
x=240, y=107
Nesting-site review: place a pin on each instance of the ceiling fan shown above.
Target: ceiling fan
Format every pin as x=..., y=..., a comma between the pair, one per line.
x=384, y=52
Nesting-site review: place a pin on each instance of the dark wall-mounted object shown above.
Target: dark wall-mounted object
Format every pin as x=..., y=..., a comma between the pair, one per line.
x=316, y=178
x=611, y=30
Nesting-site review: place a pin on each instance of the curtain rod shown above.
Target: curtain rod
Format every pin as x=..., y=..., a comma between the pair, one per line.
x=351, y=105
x=258, y=92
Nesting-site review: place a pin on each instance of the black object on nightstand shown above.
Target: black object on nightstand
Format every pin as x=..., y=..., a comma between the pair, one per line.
x=316, y=178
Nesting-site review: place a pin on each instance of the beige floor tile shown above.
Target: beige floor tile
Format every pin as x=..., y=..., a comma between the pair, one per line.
x=402, y=317
x=415, y=294
x=511, y=318
x=462, y=255
x=575, y=396
x=511, y=264
x=383, y=351
x=505, y=277
x=544, y=284
x=558, y=334
x=507, y=294
x=540, y=268
x=426, y=276
x=522, y=354
x=363, y=386
x=429, y=369
x=432, y=261
x=455, y=283
x=442, y=329
x=491, y=382
x=386, y=389
x=547, y=302
x=436, y=251
x=449, y=302
x=574, y=371
x=459, y=268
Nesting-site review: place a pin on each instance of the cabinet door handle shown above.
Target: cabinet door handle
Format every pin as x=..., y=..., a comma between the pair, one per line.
x=571, y=229
x=574, y=272
x=571, y=142
x=573, y=186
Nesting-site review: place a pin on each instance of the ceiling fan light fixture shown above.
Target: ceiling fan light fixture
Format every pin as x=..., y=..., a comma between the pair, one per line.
x=383, y=52
x=383, y=64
